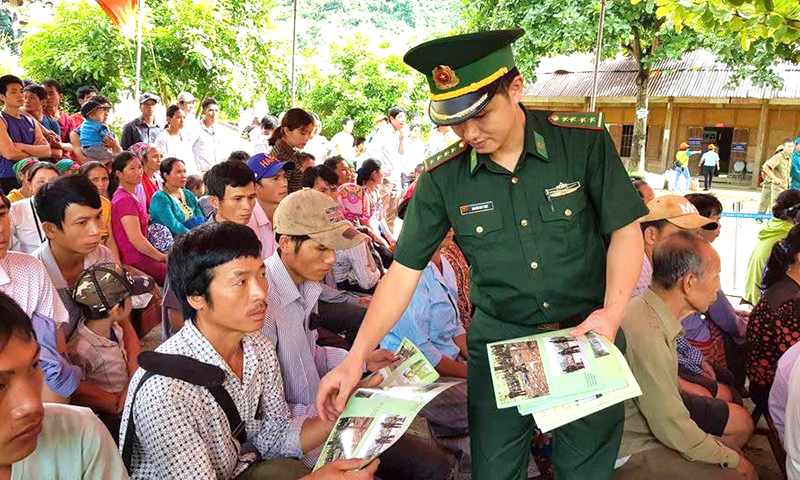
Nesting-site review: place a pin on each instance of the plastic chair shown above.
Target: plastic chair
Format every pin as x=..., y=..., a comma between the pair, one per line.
x=738, y=171
x=750, y=169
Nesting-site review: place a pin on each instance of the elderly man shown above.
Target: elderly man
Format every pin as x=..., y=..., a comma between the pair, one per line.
x=659, y=439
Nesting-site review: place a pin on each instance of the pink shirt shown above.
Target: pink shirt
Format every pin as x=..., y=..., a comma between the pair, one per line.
x=260, y=224
x=122, y=205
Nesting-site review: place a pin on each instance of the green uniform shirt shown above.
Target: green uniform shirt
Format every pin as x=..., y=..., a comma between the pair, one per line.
x=534, y=259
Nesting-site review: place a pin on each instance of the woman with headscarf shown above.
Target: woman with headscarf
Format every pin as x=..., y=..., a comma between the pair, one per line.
x=151, y=157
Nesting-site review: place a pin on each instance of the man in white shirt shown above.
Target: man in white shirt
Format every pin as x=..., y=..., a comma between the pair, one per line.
x=186, y=102
x=342, y=143
x=40, y=441
x=180, y=431
x=24, y=279
x=311, y=229
x=208, y=138
x=709, y=164
x=318, y=145
x=779, y=393
x=387, y=147
x=791, y=440
x=26, y=227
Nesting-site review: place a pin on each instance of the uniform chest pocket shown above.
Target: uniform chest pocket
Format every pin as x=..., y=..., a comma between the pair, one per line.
x=565, y=208
x=477, y=226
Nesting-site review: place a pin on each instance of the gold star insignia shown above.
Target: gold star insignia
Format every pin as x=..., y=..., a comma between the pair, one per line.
x=556, y=118
x=591, y=119
x=572, y=119
x=583, y=119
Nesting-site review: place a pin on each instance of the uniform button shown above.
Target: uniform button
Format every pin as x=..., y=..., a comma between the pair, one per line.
x=568, y=212
x=461, y=145
x=523, y=222
x=514, y=180
x=534, y=265
x=546, y=305
x=479, y=229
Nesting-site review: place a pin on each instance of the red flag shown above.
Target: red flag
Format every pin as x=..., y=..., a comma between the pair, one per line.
x=119, y=11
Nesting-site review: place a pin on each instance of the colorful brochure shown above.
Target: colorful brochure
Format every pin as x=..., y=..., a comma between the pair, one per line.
x=555, y=373
x=374, y=418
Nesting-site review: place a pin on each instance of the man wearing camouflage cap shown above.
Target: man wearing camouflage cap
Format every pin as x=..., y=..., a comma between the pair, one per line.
x=545, y=213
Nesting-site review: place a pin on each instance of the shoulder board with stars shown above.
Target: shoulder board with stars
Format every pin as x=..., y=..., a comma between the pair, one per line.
x=588, y=121
x=445, y=155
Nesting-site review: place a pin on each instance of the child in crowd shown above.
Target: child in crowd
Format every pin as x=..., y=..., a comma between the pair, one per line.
x=306, y=160
x=194, y=183
x=94, y=130
x=103, y=291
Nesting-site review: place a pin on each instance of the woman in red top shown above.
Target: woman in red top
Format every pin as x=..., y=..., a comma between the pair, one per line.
x=151, y=157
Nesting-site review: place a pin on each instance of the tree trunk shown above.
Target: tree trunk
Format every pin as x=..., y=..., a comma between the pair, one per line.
x=637, y=159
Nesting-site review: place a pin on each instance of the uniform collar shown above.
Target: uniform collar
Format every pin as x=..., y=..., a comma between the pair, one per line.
x=534, y=146
x=670, y=324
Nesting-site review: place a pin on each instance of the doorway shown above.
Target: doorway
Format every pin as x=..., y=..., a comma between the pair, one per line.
x=722, y=137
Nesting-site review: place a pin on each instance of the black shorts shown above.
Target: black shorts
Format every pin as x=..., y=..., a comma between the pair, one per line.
x=710, y=414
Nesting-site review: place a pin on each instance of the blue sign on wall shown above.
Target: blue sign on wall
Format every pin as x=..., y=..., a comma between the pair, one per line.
x=740, y=147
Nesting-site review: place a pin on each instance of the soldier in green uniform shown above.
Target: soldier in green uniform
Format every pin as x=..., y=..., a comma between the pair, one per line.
x=545, y=213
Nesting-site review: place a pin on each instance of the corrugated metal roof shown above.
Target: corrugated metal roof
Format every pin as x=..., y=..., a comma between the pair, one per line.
x=697, y=74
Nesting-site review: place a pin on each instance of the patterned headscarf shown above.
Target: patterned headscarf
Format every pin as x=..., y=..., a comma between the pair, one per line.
x=141, y=150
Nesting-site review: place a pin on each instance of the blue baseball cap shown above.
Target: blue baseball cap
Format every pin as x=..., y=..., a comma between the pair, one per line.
x=267, y=166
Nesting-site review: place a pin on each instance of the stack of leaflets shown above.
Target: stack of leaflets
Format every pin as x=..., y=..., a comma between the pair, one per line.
x=375, y=418
x=558, y=378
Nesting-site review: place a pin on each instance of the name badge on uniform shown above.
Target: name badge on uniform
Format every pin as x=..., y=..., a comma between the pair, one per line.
x=476, y=208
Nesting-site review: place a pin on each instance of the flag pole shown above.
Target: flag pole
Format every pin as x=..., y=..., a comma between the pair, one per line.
x=294, y=52
x=139, y=21
x=593, y=100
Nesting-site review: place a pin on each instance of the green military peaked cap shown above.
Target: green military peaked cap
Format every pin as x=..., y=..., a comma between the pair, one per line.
x=463, y=71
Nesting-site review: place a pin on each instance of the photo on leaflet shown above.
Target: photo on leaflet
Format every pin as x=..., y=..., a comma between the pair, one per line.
x=599, y=348
x=388, y=430
x=519, y=370
x=347, y=434
x=565, y=355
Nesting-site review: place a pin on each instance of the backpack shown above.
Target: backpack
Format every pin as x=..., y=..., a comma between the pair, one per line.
x=191, y=371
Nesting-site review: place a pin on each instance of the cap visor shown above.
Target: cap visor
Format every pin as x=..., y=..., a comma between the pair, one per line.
x=142, y=285
x=460, y=109
x=341, y=238
x=691, y=221
x=275, y=168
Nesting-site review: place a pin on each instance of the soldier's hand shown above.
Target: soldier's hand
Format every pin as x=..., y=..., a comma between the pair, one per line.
x=604, y=322
x=335, y=388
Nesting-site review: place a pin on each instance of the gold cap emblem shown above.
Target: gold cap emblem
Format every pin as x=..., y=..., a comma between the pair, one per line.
x=444, y=77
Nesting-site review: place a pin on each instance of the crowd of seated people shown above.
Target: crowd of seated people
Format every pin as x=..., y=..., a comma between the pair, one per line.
x=267, y=289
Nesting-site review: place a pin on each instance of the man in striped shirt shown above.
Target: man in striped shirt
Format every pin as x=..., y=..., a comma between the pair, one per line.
x=311, y=228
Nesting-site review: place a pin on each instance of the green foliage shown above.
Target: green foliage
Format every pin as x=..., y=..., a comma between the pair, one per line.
x=748, y=35
x=362, y=81
x=80, y=47
x=748, y=21
x=558, y=27
x=212, y=48
x=402, y=22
